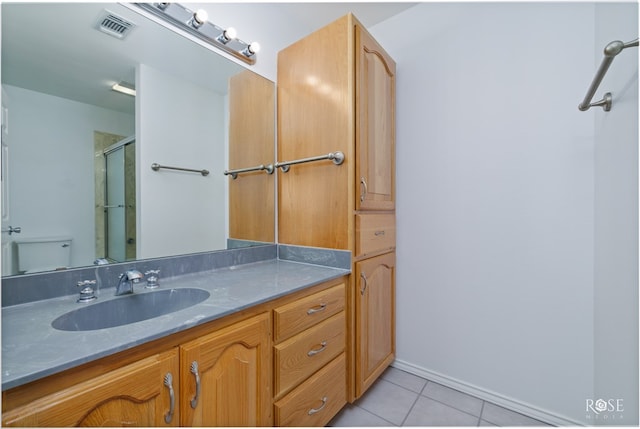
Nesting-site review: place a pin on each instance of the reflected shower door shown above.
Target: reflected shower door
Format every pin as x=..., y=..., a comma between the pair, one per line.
x=115, y=207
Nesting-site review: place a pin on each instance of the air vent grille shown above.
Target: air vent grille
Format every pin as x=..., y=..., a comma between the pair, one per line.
x=114, y=25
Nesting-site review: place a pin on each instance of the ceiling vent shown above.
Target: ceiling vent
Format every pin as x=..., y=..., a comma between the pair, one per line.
x=114, y=25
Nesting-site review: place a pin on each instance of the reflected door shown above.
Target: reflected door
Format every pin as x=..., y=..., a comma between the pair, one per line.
x=7, y=257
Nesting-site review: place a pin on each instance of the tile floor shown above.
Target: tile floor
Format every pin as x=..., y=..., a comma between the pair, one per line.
x=402, y=399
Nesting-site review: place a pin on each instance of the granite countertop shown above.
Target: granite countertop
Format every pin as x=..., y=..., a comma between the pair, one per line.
x=32, y=348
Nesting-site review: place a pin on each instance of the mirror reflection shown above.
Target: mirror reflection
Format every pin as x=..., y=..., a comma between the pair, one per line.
x=77, y=155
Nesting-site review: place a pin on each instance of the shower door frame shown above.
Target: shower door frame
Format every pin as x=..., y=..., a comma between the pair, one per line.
x=120, y=145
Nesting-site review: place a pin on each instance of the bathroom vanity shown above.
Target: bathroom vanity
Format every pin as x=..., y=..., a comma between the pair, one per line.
x=266, y=348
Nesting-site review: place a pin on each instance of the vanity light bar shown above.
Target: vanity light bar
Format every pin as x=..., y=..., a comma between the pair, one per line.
x=197, y=24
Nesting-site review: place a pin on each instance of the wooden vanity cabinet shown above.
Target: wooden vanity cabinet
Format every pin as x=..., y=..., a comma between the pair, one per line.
x=134, y=395
x=234, y=370
x=336, y=92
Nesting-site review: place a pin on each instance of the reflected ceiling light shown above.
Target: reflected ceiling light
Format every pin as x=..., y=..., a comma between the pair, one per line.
x=125, y=88
x=227, y=35
x=197, y=24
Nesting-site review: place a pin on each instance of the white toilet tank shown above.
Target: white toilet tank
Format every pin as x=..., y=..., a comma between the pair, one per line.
x=43, y=254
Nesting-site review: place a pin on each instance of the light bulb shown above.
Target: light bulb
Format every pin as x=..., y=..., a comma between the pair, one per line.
x=227, y=35
x=230, y=33
x=254, y=47
x=199, y=17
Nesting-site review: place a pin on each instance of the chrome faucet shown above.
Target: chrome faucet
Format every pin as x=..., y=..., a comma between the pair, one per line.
x=127, y=280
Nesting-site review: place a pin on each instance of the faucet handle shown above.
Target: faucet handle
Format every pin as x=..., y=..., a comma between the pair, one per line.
x=86, y=293
x=153, y=277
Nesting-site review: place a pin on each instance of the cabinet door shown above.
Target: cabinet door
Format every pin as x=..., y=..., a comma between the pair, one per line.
x=375, y=318
x=225, y=376
x=135, y=395
x=375, y=125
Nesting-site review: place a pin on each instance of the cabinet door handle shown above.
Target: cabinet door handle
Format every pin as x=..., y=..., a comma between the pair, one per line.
x=379, y=233
x=317, y=410
x=363, y=288
x=317, y=309
x=363, y=194
x=313, y=352
x=194, y=371
x=168, y=381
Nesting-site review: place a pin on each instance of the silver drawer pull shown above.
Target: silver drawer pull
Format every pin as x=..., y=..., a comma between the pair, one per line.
x=317, y=410
x=317, y=309
x=379, y=233
x=313, y=352
x=363, y=193
x=194, y=371
x=364, y=283
x=168, y=381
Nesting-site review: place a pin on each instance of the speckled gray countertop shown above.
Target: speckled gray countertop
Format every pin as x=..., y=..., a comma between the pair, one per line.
x=32, y=349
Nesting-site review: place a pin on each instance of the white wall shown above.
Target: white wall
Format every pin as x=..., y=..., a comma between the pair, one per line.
x=616, y=218
x=495, y=191
x=180, y=124
x=52, y=192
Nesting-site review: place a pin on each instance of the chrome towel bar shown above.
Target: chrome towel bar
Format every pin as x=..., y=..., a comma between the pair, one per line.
x=234, y=173
x=610, y=51
x=336, y=157
x=156, y=167
x=12, y=229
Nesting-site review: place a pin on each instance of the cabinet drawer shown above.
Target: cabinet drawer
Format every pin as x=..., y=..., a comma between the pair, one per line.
x=302, y=355
x=297, y=316
x=317, y=400
x=375, y=232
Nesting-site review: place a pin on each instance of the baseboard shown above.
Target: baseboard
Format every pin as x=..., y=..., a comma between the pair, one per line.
x=487, y=395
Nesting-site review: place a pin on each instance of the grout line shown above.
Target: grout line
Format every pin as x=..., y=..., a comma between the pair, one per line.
x=453, y=406
x=405, y=387
x=374, y=414
x=411, y=409
x=424, y=387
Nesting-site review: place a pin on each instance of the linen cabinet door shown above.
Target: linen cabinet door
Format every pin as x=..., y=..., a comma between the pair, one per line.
x=143, y=393
x=225, y=376
x=375, y=318
x=375, y=125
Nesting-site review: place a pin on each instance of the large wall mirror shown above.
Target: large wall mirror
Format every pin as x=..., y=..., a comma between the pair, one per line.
x=77, y=155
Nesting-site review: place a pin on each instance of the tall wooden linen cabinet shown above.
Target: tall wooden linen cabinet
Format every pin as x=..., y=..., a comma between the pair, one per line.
x=336, y=92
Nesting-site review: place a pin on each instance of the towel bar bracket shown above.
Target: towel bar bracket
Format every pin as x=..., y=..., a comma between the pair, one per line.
x=610, y=52
x=606, y=102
